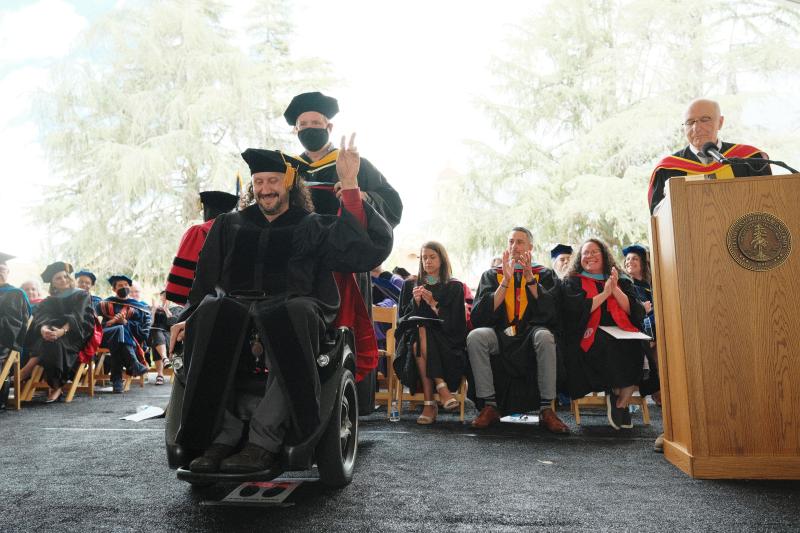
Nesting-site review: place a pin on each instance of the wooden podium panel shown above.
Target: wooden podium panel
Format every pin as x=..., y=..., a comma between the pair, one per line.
x=728, y=337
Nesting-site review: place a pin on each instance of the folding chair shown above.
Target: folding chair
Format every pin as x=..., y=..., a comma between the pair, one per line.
x=596, y=400
x=13, y=362
x=387, y=315
x=101, y=375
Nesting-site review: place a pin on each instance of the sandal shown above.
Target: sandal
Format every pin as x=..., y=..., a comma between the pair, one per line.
x=424, y=420
x=452, y=403
x=159, y=380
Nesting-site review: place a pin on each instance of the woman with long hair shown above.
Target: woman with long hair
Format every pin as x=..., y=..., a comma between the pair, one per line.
x=62, y=323
x=433, y=330
x=595, y=295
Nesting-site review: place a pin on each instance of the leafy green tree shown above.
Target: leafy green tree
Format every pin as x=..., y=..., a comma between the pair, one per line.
x=590, y=95
x=155, y=105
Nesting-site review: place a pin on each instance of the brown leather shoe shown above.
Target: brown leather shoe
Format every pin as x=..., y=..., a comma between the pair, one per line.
x=548, y=419
x=489, y=415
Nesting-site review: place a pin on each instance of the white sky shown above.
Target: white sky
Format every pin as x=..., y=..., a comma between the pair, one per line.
x=411, y=71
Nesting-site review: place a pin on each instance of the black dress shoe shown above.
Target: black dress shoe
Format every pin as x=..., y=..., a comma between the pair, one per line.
x=252, y=458
x=209, y=462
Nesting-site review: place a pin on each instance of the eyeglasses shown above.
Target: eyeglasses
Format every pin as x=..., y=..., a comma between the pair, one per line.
x=691, y=122
x=589, y=253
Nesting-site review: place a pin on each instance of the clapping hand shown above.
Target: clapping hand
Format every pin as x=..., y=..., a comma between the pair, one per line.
x=527, y=265
x=508, y=267
x=611, y=282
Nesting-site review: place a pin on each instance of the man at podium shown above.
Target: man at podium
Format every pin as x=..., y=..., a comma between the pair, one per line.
x=701, y=124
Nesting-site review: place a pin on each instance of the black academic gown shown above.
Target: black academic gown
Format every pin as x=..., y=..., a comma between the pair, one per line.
x=740, y=170
x=274, y=278
x=73, y=307
x=609, y=362
x=514, y=369
x=14, y=313
x=381, y=196
x=447, y=340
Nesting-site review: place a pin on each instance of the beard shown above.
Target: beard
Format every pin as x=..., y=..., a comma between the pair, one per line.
x=278, y=207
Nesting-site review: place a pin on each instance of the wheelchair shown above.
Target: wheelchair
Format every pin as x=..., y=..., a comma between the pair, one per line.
x=332, y=446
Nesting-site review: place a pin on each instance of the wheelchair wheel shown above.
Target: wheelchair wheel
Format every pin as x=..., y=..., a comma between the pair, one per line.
x=336, y=450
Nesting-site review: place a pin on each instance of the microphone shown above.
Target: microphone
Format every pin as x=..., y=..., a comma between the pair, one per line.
x=709, y=149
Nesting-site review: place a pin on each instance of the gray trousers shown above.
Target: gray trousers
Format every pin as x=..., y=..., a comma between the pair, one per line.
x=268, y=414
x=482, y=344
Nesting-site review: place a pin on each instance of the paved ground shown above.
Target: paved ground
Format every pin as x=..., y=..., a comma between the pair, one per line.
x=77, y=467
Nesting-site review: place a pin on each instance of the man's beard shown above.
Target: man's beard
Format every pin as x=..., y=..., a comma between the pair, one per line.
x=279, y=206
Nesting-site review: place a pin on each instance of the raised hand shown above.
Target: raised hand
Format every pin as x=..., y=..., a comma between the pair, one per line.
x=348, y=163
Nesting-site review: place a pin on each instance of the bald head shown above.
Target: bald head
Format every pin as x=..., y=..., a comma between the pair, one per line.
x=702, y=122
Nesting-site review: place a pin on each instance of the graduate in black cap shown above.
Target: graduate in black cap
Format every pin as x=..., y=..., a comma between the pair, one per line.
x=181, y=275
x=14, y=312
x=266, y=275
x=126, y=326
x=86, y=281
x=62, y=323
x=560, y=256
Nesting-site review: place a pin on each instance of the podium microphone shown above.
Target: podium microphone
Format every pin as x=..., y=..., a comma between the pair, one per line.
x=710, y=149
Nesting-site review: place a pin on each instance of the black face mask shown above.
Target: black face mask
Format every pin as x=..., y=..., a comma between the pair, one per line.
x=123, y=292
x=313, y=139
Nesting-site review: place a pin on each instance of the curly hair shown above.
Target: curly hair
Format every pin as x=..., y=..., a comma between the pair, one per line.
x=299, y=196
x=575, y=267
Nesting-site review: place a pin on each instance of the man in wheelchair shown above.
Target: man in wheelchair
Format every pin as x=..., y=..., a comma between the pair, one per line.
x=262, y=301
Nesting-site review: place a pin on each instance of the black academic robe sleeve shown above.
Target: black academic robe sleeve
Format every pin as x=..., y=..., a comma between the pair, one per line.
x=341, y=243
x=13, y=318
x=380, y=194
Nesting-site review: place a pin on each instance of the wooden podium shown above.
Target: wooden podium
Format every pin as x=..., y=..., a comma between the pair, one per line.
x=728, y=336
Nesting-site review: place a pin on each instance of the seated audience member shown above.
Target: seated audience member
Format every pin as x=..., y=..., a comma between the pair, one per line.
x=638, y=268
x=403, y=273
x=512, y=349
x=126, y=326
x=592, y=295
x=14, y=312
x=164, y=317
x=136, y=293
x=432, y=330
x=385, y=286
x=33, y=291
x=181, y=274
x=62, y=323
x=561, y=255
x=85, y=281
